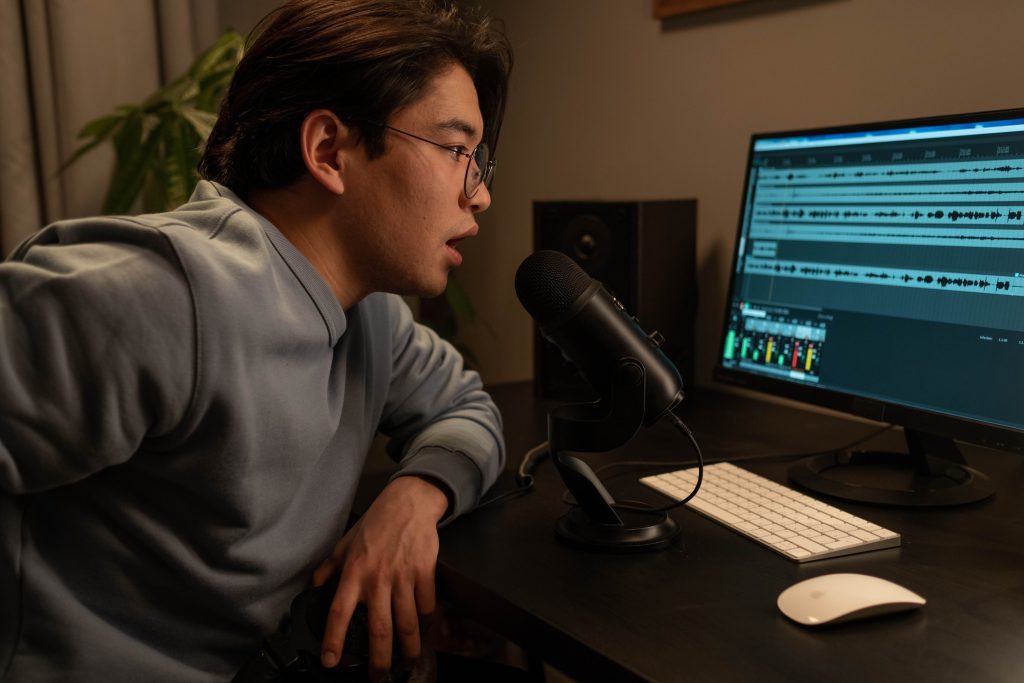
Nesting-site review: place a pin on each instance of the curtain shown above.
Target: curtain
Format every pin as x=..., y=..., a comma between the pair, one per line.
x=64, y=63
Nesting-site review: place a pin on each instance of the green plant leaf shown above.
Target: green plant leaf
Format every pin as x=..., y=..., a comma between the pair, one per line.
x=99, y=130
x=169, y=94
x=182, y=158
x=201, y=121
x=189, y=93
x=101, y=127
x=134, y=159
x=129, y=137
x=154, y=193
x=212, y=87
x=79, y=153
x=228, y=48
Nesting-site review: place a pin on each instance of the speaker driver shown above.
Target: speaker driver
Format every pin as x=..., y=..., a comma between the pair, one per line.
x=587, y=239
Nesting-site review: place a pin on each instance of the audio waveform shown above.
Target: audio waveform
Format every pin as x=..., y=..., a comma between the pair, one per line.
x=765, y=236
x=941, y=281
x=896, y=173
x=882, y=235
x=938, y=193
x=897, y=195
x=854, y=274
x=893, y=173
x=938, y=214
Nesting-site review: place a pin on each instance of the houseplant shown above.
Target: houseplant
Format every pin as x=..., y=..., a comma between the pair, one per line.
x=157, y=143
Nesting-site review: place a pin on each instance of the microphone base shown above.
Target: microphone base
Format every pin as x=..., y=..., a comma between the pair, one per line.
x=639, y=532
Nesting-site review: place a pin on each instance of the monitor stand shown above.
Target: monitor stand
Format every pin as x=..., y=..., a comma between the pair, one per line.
x=933, y=473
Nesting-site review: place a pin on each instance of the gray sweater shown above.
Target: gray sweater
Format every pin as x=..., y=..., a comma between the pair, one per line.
x=185, y=411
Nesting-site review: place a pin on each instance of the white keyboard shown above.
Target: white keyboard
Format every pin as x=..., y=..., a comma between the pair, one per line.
x=794, y=525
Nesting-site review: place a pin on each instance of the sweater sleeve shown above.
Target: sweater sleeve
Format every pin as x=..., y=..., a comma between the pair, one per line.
x=442, y=424
x=96, y=352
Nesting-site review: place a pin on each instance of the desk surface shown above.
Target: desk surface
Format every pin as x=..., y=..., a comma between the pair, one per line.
x=705, y=608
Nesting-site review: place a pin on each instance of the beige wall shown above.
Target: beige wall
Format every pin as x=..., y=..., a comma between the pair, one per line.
x=610, y=103
x=242, y=15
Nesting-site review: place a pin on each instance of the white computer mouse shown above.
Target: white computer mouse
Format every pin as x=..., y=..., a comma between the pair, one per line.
x=833, y=598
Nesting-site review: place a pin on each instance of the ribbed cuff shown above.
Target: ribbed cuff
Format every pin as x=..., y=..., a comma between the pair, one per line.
x=454, y=471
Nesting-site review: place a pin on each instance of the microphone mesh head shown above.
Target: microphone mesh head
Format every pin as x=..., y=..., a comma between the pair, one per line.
x=547, y=284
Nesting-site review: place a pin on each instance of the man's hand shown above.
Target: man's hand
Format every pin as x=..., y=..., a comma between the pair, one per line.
x=387, y=561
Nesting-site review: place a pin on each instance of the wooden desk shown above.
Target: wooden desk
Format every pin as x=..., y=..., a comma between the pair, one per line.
x=705, y=610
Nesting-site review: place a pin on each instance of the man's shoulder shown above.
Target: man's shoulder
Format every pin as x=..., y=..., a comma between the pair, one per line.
x=147, y=257
x=203, y=218
x=214, y=221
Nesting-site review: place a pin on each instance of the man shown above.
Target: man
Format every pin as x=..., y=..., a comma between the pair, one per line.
x=186, y=399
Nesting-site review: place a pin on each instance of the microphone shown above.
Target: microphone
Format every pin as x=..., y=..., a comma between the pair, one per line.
x=593, y=330
x=637, y=385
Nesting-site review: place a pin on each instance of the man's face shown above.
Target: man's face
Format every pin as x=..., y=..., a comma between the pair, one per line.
x=405, y=212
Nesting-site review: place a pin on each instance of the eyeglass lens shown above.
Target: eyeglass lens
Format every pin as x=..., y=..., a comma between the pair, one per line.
x=479, y=170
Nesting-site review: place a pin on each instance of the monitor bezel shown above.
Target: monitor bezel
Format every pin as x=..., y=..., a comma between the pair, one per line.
x=881, y=410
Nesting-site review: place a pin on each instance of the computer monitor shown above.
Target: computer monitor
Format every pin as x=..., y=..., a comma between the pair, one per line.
x=879, y=270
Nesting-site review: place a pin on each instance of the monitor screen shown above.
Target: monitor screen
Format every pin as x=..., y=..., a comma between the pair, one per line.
x=879, y=269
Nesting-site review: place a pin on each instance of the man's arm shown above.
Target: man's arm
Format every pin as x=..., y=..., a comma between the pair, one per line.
x=94, y=338
x=447, y=433
x=442, y=424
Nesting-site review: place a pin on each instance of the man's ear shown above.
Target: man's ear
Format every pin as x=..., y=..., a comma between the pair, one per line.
x=326, y=145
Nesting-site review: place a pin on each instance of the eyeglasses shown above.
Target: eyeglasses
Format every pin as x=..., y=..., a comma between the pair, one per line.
x=479, y=168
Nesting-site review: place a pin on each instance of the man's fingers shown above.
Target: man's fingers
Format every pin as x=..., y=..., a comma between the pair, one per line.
x=407, y=623
x=332, y=564
x=325, y=571
x=379, y=629
x=426, y=601
x=338, y=617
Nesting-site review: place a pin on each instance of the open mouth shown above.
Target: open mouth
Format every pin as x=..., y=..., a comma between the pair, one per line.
x=453, y=251
x=453, y=245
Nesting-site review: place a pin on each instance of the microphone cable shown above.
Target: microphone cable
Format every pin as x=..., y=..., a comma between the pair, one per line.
x=525, y=478
x=637, y=506
x=759, y=457
x=524, y=475
x=640, y=506
x=680, y=464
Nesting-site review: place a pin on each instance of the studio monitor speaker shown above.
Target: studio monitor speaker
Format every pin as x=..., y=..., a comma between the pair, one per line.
x=644, y=252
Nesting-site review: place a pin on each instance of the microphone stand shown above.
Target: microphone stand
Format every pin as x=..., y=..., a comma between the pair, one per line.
x=595, y=427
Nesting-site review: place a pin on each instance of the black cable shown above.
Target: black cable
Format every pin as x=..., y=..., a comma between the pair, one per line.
x=761, y=457
x=524, y=475
x=525, y=479
x=643, y=507
x=680, y=464
x=638, y=506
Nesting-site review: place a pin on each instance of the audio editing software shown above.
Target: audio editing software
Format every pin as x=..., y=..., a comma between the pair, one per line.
x=886, y=263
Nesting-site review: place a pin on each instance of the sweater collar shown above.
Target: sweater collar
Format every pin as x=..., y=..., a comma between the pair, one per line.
x=316, y=287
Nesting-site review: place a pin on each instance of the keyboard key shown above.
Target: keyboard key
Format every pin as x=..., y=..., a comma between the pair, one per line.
x=808, y=544
x=846, y=542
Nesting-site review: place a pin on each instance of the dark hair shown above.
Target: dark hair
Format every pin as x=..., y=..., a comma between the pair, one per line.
x=361, y=59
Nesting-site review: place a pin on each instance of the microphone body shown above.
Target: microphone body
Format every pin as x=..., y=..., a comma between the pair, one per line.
x=593, y=330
